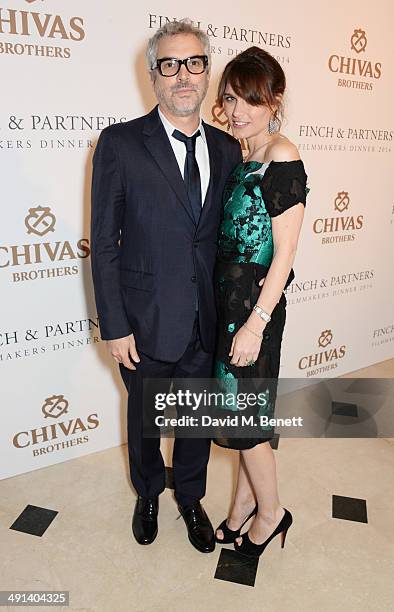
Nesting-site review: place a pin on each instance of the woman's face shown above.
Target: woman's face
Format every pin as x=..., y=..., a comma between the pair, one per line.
x=246, y=120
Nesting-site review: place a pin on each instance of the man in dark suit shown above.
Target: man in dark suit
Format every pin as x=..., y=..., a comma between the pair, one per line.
x=156, y=203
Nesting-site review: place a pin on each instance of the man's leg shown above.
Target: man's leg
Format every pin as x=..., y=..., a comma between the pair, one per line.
x=147, y=470
x=190, y=456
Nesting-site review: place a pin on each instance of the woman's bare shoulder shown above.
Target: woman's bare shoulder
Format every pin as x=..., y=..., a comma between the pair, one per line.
x=282, y=149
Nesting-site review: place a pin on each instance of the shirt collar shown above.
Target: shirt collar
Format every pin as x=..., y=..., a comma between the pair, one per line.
x=169, y=128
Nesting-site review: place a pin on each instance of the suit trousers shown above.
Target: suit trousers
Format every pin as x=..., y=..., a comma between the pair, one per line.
x=190, y=455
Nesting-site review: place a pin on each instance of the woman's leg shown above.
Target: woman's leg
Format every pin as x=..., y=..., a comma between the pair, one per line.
x=260, y=466
x=244, y=500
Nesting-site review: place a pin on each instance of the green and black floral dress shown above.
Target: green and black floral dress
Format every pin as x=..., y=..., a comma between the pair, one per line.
x=254, y=193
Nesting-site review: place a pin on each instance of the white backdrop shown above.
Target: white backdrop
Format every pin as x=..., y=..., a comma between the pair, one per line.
x=70, y=68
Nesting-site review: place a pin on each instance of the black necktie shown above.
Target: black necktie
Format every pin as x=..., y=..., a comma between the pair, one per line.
x=191, y=172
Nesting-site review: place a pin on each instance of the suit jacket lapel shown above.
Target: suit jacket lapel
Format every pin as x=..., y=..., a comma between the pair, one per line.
x=158, y=145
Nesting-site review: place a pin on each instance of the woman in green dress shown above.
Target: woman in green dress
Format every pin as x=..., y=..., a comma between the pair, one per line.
x=263, y=210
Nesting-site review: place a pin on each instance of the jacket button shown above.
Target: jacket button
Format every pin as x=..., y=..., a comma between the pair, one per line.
x=195, y=244
x=193, y=279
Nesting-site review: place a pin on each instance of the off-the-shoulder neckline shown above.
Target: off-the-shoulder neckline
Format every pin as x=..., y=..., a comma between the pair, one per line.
x=254, y=161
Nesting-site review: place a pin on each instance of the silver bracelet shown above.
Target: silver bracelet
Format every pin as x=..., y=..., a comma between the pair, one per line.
x=262, y=314
x=253, y=332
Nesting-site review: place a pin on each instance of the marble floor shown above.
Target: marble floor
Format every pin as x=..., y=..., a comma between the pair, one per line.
x=339, y=553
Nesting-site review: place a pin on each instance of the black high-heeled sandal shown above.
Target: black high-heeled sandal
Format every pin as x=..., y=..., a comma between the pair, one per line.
x=250, y=549
x=228, y=534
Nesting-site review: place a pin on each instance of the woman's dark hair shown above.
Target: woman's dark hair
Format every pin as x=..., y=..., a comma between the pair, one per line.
x=257, y=77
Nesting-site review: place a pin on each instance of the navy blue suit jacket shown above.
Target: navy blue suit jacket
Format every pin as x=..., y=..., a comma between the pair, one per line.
x=149, y=257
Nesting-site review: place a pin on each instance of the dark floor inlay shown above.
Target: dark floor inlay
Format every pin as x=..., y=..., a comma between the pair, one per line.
x=373, y=386
x=34, y=520
x=234, y=567
x=344, y=409
x=275, y=441
x=349, y=508
x=169, y=478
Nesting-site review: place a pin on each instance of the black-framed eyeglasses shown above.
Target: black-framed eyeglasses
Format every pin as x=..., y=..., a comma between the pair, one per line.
x=170, y=66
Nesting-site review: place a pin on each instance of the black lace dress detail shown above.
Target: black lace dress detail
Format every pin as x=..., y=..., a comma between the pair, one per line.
x=254, y=193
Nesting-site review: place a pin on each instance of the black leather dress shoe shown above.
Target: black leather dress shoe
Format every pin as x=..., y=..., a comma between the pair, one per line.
x=145, y=519
x=199, y=527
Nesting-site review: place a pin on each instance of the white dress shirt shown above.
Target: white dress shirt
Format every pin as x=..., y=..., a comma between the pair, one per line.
x=202, y=154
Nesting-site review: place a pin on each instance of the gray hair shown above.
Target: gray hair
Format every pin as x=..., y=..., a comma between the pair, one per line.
x=183, y=26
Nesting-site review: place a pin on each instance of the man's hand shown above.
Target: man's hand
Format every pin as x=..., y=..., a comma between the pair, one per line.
x=123, y=350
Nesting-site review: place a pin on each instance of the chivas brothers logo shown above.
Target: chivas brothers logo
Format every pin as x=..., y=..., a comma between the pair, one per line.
x=356, y=65
x=322, y=360
x=218, y=115
x=59, y=433
x=40, y=222
x=334, y=229
x=54, y=406
x=47, y=26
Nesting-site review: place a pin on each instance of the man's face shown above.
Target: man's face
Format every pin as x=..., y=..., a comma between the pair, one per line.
x=181, y=95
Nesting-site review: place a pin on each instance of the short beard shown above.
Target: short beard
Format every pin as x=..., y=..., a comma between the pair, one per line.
x=174, y=110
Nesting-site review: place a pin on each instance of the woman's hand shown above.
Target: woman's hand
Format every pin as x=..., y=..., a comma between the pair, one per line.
x=245, y=347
